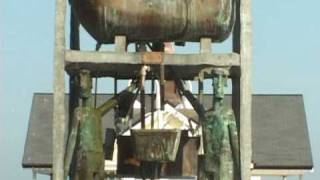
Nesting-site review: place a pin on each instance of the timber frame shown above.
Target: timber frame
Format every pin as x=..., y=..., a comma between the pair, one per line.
x=71, y=58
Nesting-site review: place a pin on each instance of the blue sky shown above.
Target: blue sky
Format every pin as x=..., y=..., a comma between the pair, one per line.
x=286, y=60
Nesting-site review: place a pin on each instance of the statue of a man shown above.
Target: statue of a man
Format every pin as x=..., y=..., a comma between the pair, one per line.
x=85, y=139
x=221, y=145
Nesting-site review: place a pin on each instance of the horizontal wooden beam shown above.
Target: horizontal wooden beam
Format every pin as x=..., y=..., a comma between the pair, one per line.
x=93, y=57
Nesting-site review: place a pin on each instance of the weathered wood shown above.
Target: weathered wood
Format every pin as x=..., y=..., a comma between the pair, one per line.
x=59, y=125
x=106, y=58
x=245, y=88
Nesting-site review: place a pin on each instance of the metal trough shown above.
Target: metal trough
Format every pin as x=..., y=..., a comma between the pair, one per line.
x=156, y=145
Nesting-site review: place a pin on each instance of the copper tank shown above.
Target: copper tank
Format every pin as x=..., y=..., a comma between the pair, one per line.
x=156, y=20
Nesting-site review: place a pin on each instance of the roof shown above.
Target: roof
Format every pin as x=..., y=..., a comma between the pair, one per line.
x=280, y=135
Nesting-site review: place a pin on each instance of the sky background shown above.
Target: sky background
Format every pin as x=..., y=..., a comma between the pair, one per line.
x=286, y=61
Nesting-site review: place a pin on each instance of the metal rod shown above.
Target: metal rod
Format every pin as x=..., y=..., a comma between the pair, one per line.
x=142, y=113
x=236, y=100
x=143, y=74
x=95, y=92
x=162, y=85
x=59, y=126
x=74, y=31
x=152, y=101
x=200, y=91
x=115, y=92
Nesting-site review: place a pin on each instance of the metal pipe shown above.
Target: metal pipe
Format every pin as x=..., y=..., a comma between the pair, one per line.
x=143, y=74
x=152, y=101
x=143, y=108
x=200, y=91
x=162, y=86
x=95, y=92
x=158, y=104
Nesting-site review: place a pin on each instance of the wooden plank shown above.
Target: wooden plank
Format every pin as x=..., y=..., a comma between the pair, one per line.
x=92, y=57
x=59, y=95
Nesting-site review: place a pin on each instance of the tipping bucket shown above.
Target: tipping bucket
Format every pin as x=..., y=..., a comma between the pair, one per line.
x=156, y=145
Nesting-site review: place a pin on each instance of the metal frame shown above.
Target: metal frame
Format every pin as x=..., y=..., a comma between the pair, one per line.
x=240, y=59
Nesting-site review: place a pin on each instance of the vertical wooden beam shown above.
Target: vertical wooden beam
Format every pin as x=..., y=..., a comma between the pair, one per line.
x=205, y=47
x=59, y=125
x=245, y=88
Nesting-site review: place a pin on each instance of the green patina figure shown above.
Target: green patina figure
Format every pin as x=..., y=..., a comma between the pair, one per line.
x=85, y=142
x=221, y=145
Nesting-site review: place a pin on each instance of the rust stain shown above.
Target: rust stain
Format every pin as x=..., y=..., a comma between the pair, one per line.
x=152, y=57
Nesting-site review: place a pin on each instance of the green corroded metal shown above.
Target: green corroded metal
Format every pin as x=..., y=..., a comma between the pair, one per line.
x=156, y=145
x=85, y=143
x=90, y=156
x=221, y=145
x=156, y=21
x=89, y=153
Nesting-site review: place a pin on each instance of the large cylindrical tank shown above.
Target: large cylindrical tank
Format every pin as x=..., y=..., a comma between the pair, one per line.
x=156, y=20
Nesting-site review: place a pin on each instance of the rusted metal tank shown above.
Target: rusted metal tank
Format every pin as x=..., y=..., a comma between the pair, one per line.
x=156, y=20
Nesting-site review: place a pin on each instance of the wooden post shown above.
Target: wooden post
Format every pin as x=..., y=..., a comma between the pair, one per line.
x=205, y=47
x=243, y=45
x=59, y=126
